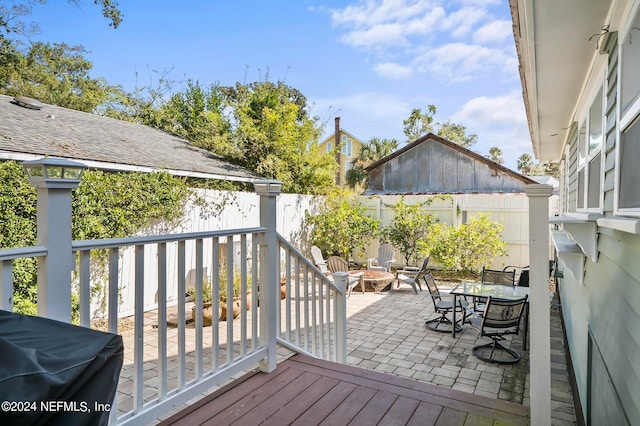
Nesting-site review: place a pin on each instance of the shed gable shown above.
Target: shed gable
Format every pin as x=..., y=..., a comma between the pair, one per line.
x=433, y=165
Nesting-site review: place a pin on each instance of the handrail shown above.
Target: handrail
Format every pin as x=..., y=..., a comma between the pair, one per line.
x=16, y=253
x=131, y=241
x=307, y=262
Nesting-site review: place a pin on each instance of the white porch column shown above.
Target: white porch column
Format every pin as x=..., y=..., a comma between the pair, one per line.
x=540, y=342
x=54, y=179
x=269, y=258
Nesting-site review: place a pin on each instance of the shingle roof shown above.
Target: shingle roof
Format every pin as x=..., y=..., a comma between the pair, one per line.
x=104, y=142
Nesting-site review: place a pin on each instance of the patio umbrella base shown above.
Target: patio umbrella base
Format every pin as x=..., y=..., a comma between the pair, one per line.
x=442, y=325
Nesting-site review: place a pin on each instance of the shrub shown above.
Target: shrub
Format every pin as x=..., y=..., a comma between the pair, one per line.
x=342, y=226
x=468, y=247
x=409, y=230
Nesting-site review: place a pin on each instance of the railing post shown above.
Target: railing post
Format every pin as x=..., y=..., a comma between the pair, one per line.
x=54, y=179
x=269, y=294
x=540, y=356
x=340, y=318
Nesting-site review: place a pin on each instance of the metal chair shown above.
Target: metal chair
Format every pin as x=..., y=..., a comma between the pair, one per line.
x=492, y=276
x=443, y=307
x=501, y=317
x=338, y=264
x=412, y=276
x=386, y=254
x=318, y=260
x=498, y=277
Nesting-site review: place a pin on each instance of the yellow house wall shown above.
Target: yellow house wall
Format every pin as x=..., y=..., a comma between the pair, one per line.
x=355, y=149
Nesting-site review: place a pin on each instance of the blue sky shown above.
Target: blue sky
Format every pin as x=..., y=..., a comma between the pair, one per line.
x=369, y=62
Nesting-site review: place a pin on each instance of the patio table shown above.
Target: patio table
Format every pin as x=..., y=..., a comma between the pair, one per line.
x=478, y=289
x=377, y=280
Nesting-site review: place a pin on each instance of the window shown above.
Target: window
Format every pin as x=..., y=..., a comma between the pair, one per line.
x=329, y=146
x=628, y=200
x=346, y=145
x=590, y=140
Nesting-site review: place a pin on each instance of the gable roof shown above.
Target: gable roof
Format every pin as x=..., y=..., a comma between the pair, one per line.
x=105, y=143
x=455, y=146
x=332, y=136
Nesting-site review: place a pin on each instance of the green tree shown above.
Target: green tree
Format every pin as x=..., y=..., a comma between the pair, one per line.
x=409, y=230
x=369, y=153
x=342, y=226
x=468, y=247
x=273, y=134
x=525, y=164
x=495, y=155
x=456, y=133
x=419, y=123
x=55, y=74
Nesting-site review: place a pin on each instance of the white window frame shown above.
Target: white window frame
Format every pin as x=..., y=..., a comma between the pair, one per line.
x=347, y=146
x=329, y=147
x=584, y=145
x=628, y=118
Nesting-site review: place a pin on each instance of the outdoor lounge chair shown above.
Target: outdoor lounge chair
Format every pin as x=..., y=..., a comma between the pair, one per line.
x=338, y=264
x=385, y=258
x=443, y=307
x=412, y=276
x=501, y=317
x=318, y=260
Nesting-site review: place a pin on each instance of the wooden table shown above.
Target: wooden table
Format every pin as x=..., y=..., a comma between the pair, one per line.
x=376, y=280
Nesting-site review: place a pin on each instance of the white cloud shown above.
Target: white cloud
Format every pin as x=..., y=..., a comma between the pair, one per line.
x=498, y=121
x=493, y=111
x=393, y=71
x=492, y=32
x=459, y=62
x=462, y=21
x=377, y=37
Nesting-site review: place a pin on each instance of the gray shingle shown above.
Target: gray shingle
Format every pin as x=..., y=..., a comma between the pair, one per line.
x=61, y=132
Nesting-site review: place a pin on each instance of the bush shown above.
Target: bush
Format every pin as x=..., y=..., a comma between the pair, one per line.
x=409, y=230
x=342, y=226
x=468, y=247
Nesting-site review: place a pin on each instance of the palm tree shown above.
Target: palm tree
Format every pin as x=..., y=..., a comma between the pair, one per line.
x=495, y=154
x=525, y=164
x=369, y=153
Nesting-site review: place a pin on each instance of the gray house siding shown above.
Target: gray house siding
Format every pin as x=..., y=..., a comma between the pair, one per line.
x=602, y=312
x=610, y=127
x=434, y=165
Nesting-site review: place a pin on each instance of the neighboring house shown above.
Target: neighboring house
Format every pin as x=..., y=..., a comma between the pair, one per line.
x=104, y=143
x=579, y=62
x=433, y=165
x=348, y=151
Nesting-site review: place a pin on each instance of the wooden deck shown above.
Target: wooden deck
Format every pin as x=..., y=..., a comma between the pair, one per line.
x=307, y=391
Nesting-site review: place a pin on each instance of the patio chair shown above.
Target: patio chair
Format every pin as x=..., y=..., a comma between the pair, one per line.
x=318, y=260
x=522, y=273
x=338, y=264
x=501, y=317
x=492, y=276
x=443, y=307
x=412, y=275
x=385, y=258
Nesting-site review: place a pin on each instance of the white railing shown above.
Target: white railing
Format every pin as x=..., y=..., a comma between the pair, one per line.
x=165, y=366
x=313, y=319
x=200, y=358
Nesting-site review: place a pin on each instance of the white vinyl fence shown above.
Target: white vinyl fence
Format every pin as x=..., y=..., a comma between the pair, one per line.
x=240, y=211
x=512, y=210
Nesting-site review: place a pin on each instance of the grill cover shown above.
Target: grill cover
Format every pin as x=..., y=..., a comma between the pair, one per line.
x=55, y=373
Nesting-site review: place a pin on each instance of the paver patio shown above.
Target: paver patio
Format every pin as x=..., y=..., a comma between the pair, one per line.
x=386, y=333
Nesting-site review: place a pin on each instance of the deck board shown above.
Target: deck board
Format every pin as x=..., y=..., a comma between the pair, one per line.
x=306, y=391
